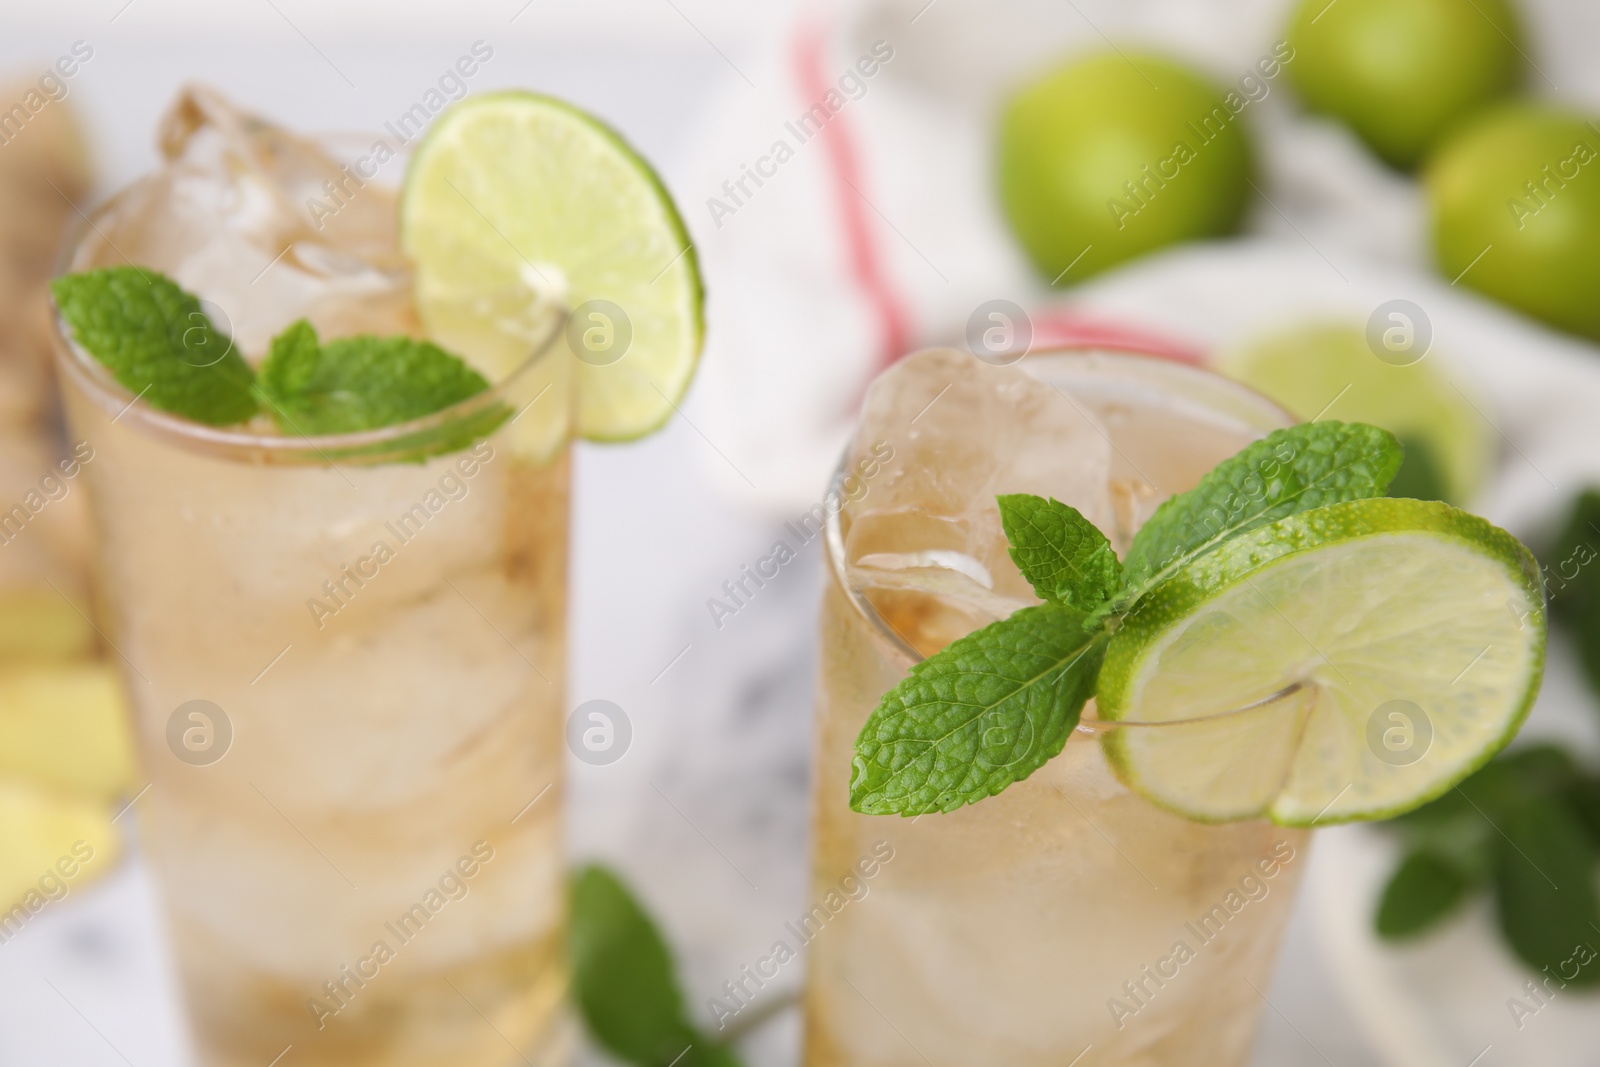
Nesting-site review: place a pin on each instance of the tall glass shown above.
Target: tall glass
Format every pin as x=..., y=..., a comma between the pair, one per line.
x=345, y=658
x=1067, y=914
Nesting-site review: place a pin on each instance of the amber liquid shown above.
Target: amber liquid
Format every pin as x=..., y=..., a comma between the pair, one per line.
x=1067, y=914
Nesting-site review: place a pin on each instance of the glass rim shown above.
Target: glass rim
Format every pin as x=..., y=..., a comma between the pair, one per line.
x=361, y=447
x=833, y=539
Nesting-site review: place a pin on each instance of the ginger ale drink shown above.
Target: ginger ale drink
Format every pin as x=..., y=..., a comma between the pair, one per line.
x=333, y=553
x=347, y=672
x=1067, y=917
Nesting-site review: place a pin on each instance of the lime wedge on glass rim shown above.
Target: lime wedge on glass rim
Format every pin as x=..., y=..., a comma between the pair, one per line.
x=1349, y=662
x=517, y=208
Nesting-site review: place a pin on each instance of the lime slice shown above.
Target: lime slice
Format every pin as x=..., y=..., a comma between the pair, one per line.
x=1328, y=370
x=517, y=205
x=1381, y=651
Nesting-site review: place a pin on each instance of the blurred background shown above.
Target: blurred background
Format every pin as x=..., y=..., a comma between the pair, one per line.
x=1387, y=211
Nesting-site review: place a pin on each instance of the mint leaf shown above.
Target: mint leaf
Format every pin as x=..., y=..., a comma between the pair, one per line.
x=1460, y=826
x=1572, y=580
x=1582, y=798
x=157, y=342
x=1522, y=824
x=358, y=383
x=1545, y=883
x=1499, y=786
x=1424, y=890
x=623, y=981
x=1063, y=555
x=1287, y=472
x=986, y=711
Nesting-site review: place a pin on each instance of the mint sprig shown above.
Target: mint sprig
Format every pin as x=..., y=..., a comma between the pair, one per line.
x=993, y=707
x=358, y=383
x=1525, y=828
x=157, y=342
x=623, y=980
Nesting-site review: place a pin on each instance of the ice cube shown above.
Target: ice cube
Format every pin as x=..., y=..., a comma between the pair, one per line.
x=925, y=542
x=268, y=226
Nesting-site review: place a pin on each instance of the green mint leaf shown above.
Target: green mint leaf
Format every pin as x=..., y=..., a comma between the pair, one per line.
x=1287, y=472
x=1545, y=882
x=986, y=711
x=1424, y=890
x=1459, y=827
x=1452, y=829
x=1582, y=798
x=622, y=971
x=1572, y=580
x=1420, y=476
x=1063, y=555
x=157, y=342
x=1586, y=638
x=1499, y=786
x=358, y=383
x=623, y=981
x=1530, y=821
x=1573, y=584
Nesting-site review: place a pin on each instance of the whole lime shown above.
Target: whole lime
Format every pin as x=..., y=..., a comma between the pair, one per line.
x=1400, y=73
x=1116, y=155
x=1515, y=205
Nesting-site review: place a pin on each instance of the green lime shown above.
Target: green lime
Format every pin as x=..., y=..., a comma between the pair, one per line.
x=1117, y=155
x=1381, y=650
x=1400, y=73
x=1330, y=371
x=1515, y=200
x=516, y=203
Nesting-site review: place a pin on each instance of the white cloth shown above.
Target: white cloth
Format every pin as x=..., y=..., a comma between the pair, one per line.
x=804, y=306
